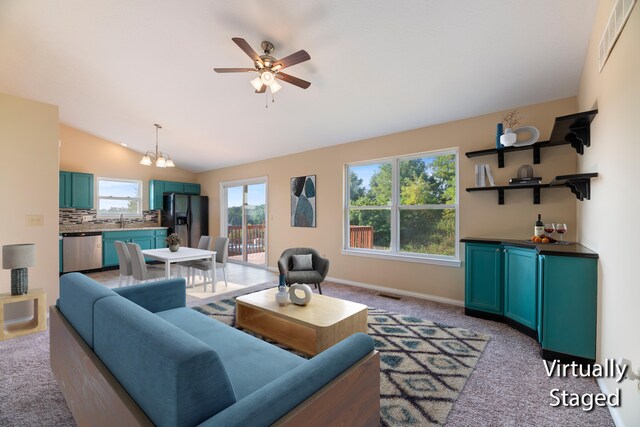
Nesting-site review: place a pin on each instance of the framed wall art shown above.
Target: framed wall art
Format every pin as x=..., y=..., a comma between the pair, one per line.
x=303, y=201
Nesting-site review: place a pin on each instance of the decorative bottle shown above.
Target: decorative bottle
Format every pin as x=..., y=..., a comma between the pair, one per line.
x=499, y=131
x=282, y=296
x=538, y=228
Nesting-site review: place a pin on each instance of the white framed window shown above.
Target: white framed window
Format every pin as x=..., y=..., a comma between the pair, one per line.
x=119, y=197
x=403, y=208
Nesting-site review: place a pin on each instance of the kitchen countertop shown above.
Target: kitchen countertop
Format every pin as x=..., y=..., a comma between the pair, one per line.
x=108, y=227
x=570, y=249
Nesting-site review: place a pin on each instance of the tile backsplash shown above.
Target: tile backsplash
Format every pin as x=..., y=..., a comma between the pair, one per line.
x=74, y=217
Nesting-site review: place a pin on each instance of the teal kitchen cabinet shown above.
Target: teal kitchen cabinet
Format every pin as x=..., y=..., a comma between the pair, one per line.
x=193, y=189
x=569, y=296
x=64, y=190
x=75, y=190
x=483, y=278
x=160, y=236
x=173, y=187
x=157, y=188
x=147, y=239
x=520, y=286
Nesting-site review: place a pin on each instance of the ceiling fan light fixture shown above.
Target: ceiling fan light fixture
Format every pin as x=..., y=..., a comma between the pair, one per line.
x=256, y=83
x=268, y=67
x=275, y=86
x=267, y=77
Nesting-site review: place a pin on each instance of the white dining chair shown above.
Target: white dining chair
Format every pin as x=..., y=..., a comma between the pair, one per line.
x=221, y=247
x=139, y=266
x=124, y=261
x=205, y=243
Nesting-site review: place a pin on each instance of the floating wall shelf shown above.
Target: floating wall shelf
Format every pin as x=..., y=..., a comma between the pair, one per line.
x=573, y=130
x=579, y=184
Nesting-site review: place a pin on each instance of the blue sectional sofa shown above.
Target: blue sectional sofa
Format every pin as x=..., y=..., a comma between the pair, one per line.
x=138, y=356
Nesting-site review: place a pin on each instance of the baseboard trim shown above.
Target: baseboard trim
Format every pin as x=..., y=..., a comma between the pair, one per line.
x=615, y=415
x=397, y=291
x=386, y=289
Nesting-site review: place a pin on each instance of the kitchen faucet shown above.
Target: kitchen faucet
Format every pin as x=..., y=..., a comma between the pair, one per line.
x=121, y=221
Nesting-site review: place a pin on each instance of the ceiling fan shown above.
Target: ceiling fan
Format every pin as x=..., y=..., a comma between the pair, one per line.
x=269, y=69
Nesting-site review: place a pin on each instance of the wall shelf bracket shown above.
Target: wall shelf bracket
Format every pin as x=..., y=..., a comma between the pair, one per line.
x=579, y=184
x=574, y=129
x=536, y=155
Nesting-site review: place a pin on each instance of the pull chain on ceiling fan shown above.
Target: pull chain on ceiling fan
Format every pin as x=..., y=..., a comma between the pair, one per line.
x=269, y=69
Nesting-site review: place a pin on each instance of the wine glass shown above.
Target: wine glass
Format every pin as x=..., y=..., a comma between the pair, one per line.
x=561, y=229
x=549, y=228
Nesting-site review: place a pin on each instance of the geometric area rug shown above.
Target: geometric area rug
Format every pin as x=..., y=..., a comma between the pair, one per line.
x=423, y=365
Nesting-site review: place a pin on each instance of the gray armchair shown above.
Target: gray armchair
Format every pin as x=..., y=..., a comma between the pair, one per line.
x=314, y=276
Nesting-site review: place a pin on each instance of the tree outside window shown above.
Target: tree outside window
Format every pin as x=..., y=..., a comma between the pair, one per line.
x=404, y=205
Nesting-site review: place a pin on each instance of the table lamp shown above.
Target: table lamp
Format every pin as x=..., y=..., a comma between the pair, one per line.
x=18, y=258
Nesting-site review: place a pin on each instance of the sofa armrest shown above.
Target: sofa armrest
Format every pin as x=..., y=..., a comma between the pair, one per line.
x=157, y=296
x=276, y=399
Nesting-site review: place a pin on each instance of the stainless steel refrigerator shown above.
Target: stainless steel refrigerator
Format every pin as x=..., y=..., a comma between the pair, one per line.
x=186, y=215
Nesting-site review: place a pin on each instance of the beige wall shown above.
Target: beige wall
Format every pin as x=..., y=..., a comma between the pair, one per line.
x=609, y=223
x=480, y=215
x=29, y=186
x=83, y=152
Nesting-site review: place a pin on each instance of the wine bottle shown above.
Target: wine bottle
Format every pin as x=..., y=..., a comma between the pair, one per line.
x=538, y=228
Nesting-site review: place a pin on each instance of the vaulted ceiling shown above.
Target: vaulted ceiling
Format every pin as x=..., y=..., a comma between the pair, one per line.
x=116, y=67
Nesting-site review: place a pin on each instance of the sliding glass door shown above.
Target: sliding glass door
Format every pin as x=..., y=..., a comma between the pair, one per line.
x=245, y=220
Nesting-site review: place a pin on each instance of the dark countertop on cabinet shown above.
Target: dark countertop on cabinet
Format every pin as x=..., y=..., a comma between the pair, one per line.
x=558, y=249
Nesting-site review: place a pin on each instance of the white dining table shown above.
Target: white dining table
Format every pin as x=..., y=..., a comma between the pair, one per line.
x=182, y=254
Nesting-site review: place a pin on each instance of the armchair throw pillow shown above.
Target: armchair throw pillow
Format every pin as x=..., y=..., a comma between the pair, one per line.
x=302, y=263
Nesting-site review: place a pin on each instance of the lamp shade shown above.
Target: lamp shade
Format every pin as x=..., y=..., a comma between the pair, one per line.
x=18, y=256
x=275, y=87
x=257, y=83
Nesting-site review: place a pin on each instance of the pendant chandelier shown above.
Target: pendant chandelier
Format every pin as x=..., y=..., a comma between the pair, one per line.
x=162, y=160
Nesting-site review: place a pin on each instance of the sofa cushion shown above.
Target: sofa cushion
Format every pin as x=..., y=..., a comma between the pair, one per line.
x=302, y=262
x=250, y=362
x=270, y=403
x=304, y=277
x=78, y=294
x=156, y=296
x=175, y=378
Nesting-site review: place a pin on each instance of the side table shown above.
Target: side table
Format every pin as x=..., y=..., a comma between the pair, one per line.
x=37, y=324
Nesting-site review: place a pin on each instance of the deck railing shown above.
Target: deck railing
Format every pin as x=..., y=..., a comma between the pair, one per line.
x=360, y=236
x=255, y=239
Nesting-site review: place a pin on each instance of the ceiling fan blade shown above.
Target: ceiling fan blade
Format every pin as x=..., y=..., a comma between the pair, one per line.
x=262, y=89
x=293, y=59
x=233, y=70
x=242, y=44
x=293, y=80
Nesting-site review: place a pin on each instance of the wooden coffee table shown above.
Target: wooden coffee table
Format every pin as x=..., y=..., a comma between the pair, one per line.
x=309, y=329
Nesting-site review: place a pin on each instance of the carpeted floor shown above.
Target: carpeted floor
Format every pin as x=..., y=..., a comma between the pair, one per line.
x=423, y=365
x=508, y=387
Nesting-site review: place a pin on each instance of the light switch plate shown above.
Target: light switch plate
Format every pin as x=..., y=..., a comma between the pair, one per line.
x=35, y=220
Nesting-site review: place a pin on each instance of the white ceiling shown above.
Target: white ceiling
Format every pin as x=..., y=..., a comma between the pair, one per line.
x=116, y=67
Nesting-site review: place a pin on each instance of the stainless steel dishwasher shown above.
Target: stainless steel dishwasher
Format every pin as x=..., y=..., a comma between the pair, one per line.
x=81, y=251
